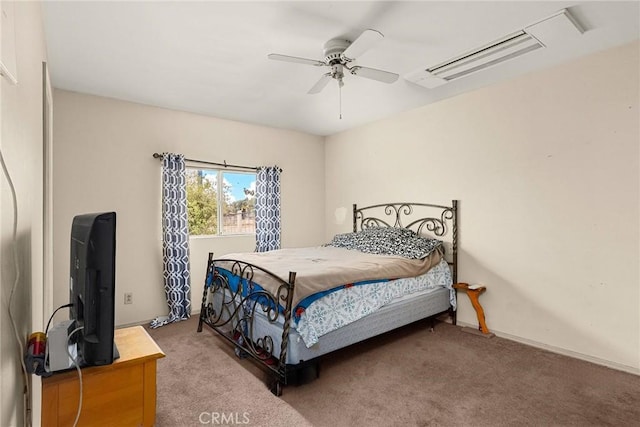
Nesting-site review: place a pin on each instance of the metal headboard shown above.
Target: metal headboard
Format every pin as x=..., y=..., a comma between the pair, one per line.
x=435, y=221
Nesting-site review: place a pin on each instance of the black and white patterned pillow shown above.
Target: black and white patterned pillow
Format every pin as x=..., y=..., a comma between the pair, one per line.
x=387, y=241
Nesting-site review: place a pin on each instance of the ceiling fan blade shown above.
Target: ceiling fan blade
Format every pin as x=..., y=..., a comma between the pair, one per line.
x=295, y=59
x=364, y=42
x=320, y=84
x=372, y=73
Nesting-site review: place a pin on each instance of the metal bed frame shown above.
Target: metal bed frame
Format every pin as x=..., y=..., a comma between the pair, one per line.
x=232, y=312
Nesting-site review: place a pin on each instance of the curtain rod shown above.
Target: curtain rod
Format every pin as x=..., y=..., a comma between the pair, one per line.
x=225, y=164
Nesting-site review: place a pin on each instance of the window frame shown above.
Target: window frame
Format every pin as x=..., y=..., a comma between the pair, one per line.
x=220, y=200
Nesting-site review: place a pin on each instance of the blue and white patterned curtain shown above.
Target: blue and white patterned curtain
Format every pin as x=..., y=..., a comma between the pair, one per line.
x=268, y=209
x=175, y=240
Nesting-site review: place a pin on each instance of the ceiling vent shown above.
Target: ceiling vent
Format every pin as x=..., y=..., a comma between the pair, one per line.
x=541, y=34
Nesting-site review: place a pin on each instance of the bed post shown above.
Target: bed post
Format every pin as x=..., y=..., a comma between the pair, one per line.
x=204, y=293
x=281, y=380
x=355, y=209
x=454, y=240
x=454, y=243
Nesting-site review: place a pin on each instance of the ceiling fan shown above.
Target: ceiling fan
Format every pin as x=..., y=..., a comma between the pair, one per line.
x=338, y=55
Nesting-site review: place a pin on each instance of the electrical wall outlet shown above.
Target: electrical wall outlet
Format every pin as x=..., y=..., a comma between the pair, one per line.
x=128, y=297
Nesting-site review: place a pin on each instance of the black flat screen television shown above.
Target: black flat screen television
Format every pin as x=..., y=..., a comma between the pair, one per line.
x=92, y=286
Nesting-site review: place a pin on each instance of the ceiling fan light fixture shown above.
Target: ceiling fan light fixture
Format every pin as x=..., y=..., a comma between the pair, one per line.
x=333, y=50
x=338, y=53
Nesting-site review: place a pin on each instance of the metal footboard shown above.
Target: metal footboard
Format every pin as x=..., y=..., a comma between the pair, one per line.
x=230, y=303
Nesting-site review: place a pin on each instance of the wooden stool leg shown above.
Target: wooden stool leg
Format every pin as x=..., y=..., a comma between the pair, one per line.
x=473, y=296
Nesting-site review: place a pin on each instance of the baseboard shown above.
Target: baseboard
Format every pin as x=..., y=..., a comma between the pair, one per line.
x=476, y=331
x=526, y=341
x=146, y=322
x=560, y=350
x=128, y=325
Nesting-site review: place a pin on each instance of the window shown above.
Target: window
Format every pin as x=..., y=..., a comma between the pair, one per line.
x=220, y=202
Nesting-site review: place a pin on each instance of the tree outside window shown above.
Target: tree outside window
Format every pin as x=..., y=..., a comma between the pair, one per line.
x=220, y=202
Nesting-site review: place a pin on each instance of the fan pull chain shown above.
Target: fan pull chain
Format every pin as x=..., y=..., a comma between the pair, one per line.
x=340, y=97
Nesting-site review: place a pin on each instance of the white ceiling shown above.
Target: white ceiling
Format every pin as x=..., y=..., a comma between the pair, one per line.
x=211, y=57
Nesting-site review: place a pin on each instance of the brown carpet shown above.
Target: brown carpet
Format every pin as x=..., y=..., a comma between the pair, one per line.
x=200, y=382
x=410, y=377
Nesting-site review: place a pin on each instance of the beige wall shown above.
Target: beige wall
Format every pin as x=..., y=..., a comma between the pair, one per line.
x=103, y=161
x=545, y=167
x=21, y=144
x=546, y=170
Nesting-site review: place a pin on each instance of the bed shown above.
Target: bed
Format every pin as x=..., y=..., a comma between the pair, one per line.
x=286, y=309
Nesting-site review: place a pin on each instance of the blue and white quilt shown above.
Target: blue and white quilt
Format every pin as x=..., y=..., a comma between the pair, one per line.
x=350, y=303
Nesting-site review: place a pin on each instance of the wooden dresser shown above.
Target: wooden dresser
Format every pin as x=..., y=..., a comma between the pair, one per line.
x=120, y=394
